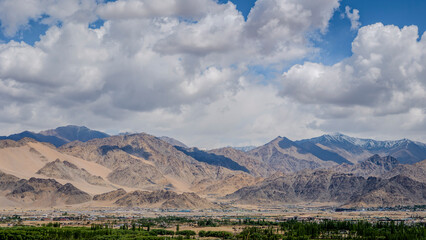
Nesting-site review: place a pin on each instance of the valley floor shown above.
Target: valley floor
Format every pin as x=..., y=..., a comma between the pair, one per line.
x=85, y=217
x=144, y=224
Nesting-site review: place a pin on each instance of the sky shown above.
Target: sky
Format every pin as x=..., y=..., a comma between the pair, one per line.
x=215, y=73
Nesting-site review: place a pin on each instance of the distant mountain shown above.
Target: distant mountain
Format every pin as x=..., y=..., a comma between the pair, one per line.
x=415, y=171
x=255, y=165
x=284, y=155
x=36, y=136
x=333, y=188
x=59, y=136
x=212, y=159
x=74, y=133
x=245, y=148
x=356, y=149
x=173, y=141
x=374, y=166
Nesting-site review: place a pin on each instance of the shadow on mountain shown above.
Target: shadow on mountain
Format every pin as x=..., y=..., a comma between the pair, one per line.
x=212, y=159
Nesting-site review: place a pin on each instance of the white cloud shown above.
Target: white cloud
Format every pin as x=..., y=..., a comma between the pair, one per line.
x=353, y=17
x=279, y=28
x=182, y=68
x=16, y=14
x=382, y=85
x=137, y=9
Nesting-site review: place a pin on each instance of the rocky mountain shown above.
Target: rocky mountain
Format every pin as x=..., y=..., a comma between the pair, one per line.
x=375, y=166
x=212, y=159
x=72, y=133
x=357, y=149
x=46, y=193
x=158, y=199
x=398, y=190
x=59, y=136
x=28, y=158
x=65, y=170
x=255, y=165
x=332, y=188
x=143, y=170
x=228, y=185
x=110, y=196
x=8, y=181
x=415, y=171
x=36, y=136
x=284, y=155
x=146, y=162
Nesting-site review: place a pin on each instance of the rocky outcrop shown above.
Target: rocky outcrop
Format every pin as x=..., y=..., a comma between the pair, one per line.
x=398, y=190
x=139, y=176
x=416, y=171
x=374, y=166
x=7, y=181
x=65, y=170
x=163, y=199
x=46, y=193
x=110, y=196
x=342, y=189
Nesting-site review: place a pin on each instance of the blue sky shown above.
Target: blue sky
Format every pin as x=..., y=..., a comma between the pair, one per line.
x=337, y=42
x=335, y=45
x=221, y=79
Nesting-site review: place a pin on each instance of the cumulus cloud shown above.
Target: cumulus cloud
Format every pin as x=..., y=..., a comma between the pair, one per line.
x=149, y=54
x=279, y=28
x=16, y=14
x=353, y=17
x=131, y=9
x=182, y=68
x=383, y=81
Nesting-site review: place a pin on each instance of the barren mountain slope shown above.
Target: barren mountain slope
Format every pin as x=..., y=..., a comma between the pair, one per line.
x=146, y=162
x=163, y=199
x=26, y=157
x=398, y=190
x=65, y=170
x=254, y=164
x=416, y=171
x=328, y=187
x=110, y=196
x=7, y=181
x=283, y=155
x=37, y=192
x=228, y=185
x=374, y=166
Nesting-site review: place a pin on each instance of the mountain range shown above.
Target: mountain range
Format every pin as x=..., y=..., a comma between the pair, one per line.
x=60, y=135
x=77, y=166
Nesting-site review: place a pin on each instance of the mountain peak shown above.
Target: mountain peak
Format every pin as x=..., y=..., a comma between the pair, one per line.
x=71, y=133
x=360, y=142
